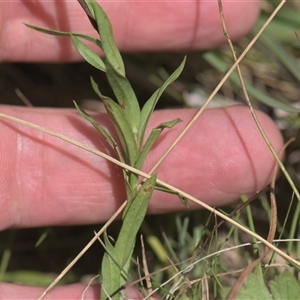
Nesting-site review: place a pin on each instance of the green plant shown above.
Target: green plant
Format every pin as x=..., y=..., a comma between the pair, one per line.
x=130, y=123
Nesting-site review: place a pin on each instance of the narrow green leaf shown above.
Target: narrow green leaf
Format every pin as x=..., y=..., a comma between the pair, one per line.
x=95, y=87
x=182, y=199
x=114, y=276
x=64, y=33
x=108, y=246
x=97, y=91
x=114, y=271
x=110, y=140
x=89, y=55
x=125, y=97
x=169, y=124
x=111, y=251
x=124, y=132
x=155, y=133
x=33, y=278
x=133, y=219
x=111, y=280
x=89, y=12
x=129, y=109
x=120, y=128
x=132, y=182
x=107, y=40
x=152, y=101
x=6, y=255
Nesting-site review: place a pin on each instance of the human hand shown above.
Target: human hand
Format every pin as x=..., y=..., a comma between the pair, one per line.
x=45, y=181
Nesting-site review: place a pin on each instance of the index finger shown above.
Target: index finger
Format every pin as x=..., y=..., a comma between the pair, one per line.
x=138, y=26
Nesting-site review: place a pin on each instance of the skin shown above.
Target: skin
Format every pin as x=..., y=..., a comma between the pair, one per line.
x=223, y=153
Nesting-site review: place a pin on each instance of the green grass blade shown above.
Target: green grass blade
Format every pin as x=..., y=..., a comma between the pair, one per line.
x=282, y=55
x=290, y=16
x=89, y=55
x=33, y=278
x=279, y=30
x=4, y=263
x=152, y=101
x=216, y=62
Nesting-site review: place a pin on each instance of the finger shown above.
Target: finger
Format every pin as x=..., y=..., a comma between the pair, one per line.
x=138, y=26
x=46, y=181
x=72, y=291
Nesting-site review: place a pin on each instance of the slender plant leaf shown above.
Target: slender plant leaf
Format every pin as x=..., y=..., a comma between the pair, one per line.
x=217, y=63
x=111, y=251
x=111, y=280
x=154, y=135
x=182, y=199
x=124, y=132
x=89, y=12
x=135, y=213
x=89, y=55
x=96, y=88
x=152, y=101
x=26, y=277
x=64, y=33
x=108, y=44
x=130, y=178
x=110, y=140
x=125, y=97
x=133, y=219
x=6, y=255
x=114, y=276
